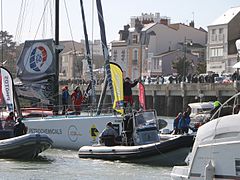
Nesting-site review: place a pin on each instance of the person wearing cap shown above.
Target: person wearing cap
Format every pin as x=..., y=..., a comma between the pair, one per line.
x=108, y=135
x=77, y=99
x=65, y=97
x=19, y=128
x=127, y=90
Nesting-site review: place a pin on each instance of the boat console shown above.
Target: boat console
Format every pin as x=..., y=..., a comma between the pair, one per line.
x=140, y=128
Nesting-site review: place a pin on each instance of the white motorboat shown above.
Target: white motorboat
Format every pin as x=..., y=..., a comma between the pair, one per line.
x=215, y=153
x=200, y=111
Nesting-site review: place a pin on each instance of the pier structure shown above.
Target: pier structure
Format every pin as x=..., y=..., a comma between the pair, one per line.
x=169, y=99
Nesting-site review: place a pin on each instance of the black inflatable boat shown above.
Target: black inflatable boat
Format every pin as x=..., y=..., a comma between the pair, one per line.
x=27, y=146
x=141, y=143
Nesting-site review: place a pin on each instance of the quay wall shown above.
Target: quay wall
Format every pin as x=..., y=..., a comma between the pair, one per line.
x=169, y=99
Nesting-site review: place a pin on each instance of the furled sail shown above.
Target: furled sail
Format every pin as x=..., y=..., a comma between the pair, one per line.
x=36, y=69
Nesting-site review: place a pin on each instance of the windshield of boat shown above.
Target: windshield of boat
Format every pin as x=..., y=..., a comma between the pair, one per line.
x=145, y=118
x=204, y=110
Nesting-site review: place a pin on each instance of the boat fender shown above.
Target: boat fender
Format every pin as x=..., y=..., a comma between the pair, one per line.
x=113, y=150
x=90, y=150
x=209, y=171
x=140, y=148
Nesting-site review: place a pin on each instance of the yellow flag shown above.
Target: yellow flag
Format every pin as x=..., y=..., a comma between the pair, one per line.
x=117, y=82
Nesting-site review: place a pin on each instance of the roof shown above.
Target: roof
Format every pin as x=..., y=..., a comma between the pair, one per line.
x=201, y=105
x=145, y=27
x=226, y=17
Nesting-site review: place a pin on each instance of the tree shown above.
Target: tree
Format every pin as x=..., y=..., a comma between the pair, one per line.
x=181, y=66
x=201, y=67
x=8, y=52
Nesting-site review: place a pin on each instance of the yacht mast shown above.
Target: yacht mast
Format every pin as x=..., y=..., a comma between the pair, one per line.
x=89, y=61
x=56, y=92
x=108, y=77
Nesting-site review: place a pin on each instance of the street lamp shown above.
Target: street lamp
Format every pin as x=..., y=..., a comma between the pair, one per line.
x=186, y=41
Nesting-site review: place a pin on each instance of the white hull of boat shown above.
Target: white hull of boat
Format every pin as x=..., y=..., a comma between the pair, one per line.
x=72, y=131
x=215, y=153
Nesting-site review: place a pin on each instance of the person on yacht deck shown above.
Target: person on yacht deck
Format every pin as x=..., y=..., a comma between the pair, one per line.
x=127, y=90
x=65, y=97
x=77, y=99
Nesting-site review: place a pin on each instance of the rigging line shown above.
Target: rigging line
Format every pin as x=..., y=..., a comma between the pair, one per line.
x=2, y=29
x=70, y=28
x=23, y=17
x=51, y=17
x=31, y=18
x=18, y=21
x=44, y=22
x=41, y=19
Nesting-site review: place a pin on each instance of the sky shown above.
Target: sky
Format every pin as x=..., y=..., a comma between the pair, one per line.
x=27, y=24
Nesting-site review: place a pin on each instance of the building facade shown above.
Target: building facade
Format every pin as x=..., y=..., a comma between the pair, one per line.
x=150, y=36
x=222, y=35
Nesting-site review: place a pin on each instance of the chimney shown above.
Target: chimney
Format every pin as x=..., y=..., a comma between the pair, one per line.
x=164, y=21
x=191, y=24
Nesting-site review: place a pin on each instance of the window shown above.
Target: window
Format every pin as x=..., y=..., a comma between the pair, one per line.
x=214, y=35
x=237, y=167
x=216, y=52
x=135, y=39
x=115, y=55
x=135, y=56
x=123, y=55
x=221, y=31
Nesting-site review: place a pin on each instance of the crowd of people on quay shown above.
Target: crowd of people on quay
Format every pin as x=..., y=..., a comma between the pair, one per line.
x=193, y=78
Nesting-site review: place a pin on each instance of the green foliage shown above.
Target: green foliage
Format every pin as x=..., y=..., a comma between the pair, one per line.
x=181, y=66
x=8, y=52
x=201, y=67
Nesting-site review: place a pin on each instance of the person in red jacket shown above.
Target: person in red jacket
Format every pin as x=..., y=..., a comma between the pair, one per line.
x=77, y=99
x=10, y=121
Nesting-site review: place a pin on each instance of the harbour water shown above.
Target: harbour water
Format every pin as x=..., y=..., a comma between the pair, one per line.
x=65, y=164
x=62, y=164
